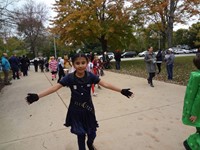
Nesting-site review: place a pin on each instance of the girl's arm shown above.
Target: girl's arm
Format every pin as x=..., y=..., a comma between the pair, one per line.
x=33, y=97
x=124, y=92
x=109, y=86
x=50, y=90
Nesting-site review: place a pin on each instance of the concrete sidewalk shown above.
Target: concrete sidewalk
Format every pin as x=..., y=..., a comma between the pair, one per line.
x=149, y=121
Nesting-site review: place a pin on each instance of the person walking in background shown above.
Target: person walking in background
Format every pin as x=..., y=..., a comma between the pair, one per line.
x=91, y=56
x=24, y=65
x=198, y=52
x=61, y=72
x=117, y=59
x=14, y=63
x=6, y=68
x=159, y=58
x=150, y=59
x=106, y=60
x=36, y=63
x=96, y=68
x=191, y=107
x=41, y=64
x=81, y=113
x=169, y=60
x=53, y=67
x=67, y=64
x=46, y=64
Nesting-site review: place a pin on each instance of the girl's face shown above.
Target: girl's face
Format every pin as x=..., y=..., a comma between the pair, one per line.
x=151, y=49
x=80, y=64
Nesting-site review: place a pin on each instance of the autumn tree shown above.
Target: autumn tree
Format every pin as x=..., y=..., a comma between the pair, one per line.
x=165, y=13
x=104, y=21
x=30, y=19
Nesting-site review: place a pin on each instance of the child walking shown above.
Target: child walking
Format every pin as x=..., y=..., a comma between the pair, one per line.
x=81, y=113
x=53, y=67
x=191, y=108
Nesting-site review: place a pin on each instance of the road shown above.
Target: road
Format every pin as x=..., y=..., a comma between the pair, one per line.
x=138, y=58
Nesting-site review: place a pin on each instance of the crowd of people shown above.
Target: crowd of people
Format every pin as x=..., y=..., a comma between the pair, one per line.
x=18, y=65
x=62, y=66
x=154, y=61
x=82, y=73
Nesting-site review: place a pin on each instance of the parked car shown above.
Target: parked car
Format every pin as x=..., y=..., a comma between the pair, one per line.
x=110, y=56
x=128, y=54
x=186, y=51
x=142, y=54
x=178, y=51
x=195, y=50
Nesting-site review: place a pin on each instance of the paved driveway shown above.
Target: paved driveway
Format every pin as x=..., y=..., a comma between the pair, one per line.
x=149, y=121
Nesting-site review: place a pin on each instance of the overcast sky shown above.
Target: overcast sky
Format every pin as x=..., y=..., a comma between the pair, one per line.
x=50, y=2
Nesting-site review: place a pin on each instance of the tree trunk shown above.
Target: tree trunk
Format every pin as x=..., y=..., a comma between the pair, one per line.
x=33, y=49
x=103, y=43
x=163, y=40
x=171, y=23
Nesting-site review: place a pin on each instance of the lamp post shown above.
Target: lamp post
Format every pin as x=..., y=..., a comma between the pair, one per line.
x=54, y=43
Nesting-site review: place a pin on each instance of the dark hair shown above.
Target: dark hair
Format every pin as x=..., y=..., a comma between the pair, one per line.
x=149, y=47
x=196, y=61
x=77, y=56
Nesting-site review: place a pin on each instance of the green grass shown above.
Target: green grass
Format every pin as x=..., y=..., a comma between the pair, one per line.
x=182, y=68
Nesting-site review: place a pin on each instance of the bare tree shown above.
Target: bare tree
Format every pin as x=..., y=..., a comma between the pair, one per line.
x=30, y=21
x=6, y=21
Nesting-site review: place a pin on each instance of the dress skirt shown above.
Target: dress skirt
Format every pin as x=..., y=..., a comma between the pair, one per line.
x=81, y=120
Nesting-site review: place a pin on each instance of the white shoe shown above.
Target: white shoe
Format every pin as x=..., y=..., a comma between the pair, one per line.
x=94, y=94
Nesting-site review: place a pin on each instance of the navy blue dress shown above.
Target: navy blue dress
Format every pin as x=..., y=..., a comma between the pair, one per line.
x=81, y=114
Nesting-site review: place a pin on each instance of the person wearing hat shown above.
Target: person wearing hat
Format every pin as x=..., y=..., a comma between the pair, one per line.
x=169, y=60
x=6, y=68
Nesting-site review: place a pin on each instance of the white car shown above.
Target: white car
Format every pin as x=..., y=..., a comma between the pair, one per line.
x=142, y=54
x=186, y=51
x=110, y=56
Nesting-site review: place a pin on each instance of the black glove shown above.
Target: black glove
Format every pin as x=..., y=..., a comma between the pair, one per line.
x=32, y=98
x=126, y=92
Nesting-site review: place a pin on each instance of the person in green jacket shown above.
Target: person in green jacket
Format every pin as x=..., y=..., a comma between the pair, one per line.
x=191, y=107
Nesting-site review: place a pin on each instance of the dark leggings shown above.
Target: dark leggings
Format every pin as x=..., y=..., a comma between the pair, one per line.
x=81, y=141
x=159, y=67
x=150, y=78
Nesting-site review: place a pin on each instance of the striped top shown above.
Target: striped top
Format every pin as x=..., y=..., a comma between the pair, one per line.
x=53, y=65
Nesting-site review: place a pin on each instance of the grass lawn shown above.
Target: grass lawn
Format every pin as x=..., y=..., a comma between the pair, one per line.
x=182, y=68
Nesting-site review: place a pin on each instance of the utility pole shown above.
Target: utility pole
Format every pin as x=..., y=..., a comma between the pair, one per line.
x=54, y=43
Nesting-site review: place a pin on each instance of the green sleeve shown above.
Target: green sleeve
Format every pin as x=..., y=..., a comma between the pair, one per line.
x=194, y=94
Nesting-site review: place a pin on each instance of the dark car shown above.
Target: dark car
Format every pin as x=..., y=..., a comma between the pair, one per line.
x=128, y=54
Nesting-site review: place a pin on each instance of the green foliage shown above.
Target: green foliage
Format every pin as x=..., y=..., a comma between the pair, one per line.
x=182, y=68
x=12, y=45
x=101, y=21
x=194, y=35
x=189, y=36
x=181, y=37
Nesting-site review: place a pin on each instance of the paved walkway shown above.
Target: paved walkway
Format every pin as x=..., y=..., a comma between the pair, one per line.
x=149, y=121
